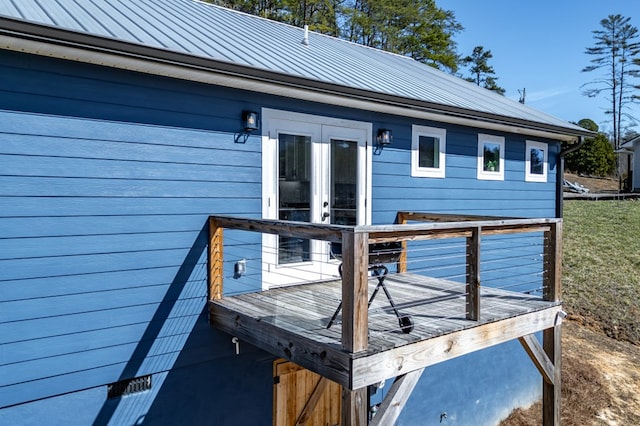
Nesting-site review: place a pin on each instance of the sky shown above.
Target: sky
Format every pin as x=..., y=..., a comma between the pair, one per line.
x=539, y=46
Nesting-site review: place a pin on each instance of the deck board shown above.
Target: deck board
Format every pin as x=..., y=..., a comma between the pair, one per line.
x=298, y=317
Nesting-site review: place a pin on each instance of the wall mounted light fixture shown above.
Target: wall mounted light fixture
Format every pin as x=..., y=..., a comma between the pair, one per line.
x=384, y=138
x=250, y=123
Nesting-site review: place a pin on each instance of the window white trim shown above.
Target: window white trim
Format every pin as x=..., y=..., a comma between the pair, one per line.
x=536, y=177
x=490, y=174
x=441, y=135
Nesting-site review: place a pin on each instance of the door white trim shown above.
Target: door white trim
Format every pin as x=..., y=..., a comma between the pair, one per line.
x=321, y=130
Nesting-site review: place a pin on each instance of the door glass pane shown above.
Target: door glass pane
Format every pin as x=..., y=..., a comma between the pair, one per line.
x=294, y=193
x=344, y=179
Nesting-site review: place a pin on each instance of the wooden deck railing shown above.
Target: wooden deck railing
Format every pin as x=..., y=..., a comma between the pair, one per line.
x=411, y=226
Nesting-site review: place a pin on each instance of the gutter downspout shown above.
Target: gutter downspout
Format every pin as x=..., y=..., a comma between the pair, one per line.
x=560, y=175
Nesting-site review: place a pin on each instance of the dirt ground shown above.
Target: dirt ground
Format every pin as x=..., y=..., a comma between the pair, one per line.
x=600, y=382
x=595, y=185
x=600, y=375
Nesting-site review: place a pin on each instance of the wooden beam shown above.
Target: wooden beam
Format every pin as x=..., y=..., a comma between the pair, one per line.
x=396, y=399
x=392, y=235
x=215, y=260
x=355, y=407
x=473, y=276
x=551, y=392
x=284, y=228
x=445, y=217
x=355, y=291
x=438, y=234
x=455, y=226
x=313, y=400
x=552, y=285
x=354, y=371
x=539, y=357
x=329, y=361
x=512, y=225
x=367, y=370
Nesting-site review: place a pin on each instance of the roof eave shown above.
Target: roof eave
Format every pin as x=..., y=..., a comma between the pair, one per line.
x=64, y=44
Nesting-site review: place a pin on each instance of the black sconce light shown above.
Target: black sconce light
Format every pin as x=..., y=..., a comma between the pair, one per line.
x=384, y=138
x=249, y=124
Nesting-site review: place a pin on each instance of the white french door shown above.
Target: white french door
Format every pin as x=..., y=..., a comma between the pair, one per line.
x=316, y=170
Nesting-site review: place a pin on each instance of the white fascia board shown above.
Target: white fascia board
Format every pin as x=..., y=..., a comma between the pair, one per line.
x=211, y=76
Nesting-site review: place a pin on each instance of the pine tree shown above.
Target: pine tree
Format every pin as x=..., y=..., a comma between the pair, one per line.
x=615, y=53
x=482, y=72
x=416, y=28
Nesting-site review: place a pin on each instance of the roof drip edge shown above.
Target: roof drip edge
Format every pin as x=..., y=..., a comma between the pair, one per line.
x=48, y=41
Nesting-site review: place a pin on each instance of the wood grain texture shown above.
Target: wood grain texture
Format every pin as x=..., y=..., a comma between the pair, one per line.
x=302, y=397
x=553, y=263
x=536, y=352
x=355, y=267
x=551, y=392
x=215, y=260
x=295, y=327
x=396, y=398
x=473, y=275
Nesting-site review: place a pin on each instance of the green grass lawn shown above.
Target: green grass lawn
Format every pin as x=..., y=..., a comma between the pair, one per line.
x=601, y=265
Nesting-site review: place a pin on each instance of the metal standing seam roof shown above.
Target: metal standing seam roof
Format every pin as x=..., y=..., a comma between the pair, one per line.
x=207, y=31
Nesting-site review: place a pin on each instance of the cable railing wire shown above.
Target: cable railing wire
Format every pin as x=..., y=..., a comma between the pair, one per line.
x=513, y=264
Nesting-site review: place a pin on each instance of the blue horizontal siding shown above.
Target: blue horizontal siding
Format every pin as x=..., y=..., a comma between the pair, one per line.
x=461, y=191
x=151, y=210
x=101, y=217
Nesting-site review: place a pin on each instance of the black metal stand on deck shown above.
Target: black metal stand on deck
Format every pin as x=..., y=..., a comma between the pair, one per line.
x=380, y=272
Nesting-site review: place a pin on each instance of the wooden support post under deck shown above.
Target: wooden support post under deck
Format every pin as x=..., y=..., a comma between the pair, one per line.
x=355, y=318
x=551, y=343
x=551, y=337
x=355, y=407
x=473, y=275
x=214, y=260
x=396, y=398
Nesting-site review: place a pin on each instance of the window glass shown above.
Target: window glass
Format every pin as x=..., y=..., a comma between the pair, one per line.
x=428, y=150
x=536, y=162
x=490, y=157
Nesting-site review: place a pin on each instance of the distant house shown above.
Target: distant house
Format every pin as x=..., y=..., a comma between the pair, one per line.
x=632, y=149
x=190, y=198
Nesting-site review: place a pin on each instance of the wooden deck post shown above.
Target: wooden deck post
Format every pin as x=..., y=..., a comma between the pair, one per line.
x=552, y=285
x=473, y=275
x=355, y=318
x=214, y=260
x=355, y=291
x=401, y=218
x=551, y=337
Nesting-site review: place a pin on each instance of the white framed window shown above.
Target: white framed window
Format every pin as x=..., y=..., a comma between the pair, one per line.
x=428, y=148
x=536, y=161
x=490, y=157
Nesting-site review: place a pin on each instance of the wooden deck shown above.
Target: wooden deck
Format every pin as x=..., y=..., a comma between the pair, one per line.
x=367, y=345
x=291, y=322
